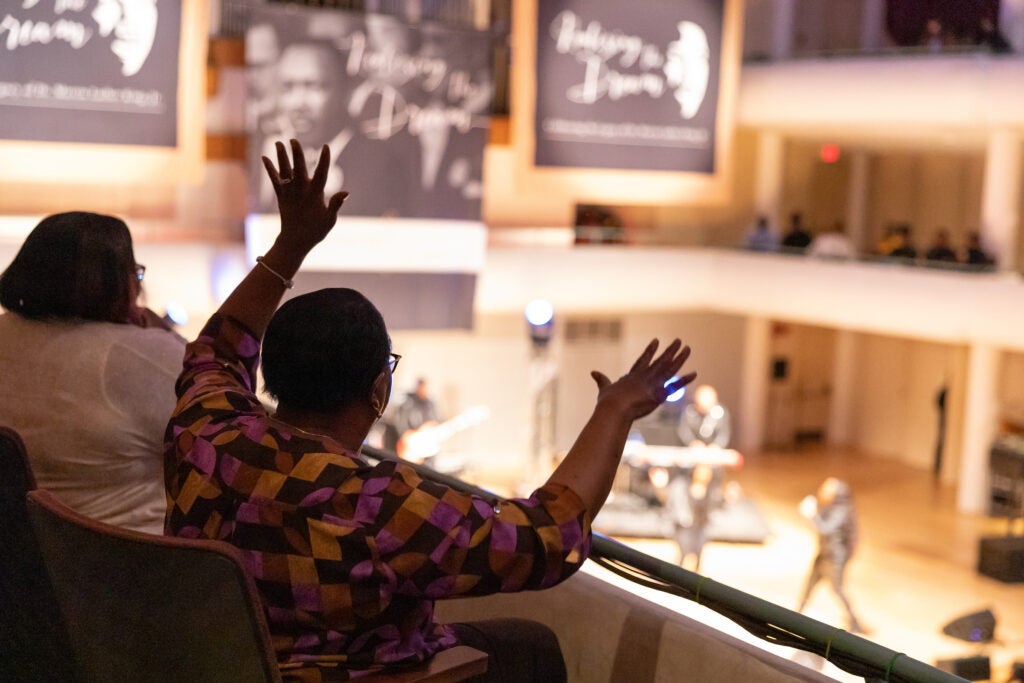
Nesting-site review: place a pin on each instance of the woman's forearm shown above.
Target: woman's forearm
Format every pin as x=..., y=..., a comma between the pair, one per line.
x=589, y=467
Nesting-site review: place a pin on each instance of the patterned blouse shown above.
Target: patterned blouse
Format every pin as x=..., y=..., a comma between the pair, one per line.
x=348, y=557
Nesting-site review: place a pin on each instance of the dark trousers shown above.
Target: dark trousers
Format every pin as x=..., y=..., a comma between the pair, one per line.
x=832, y=570
x=519, y=650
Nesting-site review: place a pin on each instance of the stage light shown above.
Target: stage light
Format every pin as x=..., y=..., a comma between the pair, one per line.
x=540, y=318
x=539, y=312
x=676, y=395
x=175, y=313
x=659, y=477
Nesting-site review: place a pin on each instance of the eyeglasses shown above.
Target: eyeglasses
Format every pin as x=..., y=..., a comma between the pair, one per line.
x=393, y=362
x=140, y=271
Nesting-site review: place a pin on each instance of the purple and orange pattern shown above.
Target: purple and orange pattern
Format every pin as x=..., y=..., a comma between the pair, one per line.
x=348, y=557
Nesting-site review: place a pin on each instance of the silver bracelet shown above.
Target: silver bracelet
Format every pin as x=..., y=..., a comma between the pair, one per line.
x=288, y=284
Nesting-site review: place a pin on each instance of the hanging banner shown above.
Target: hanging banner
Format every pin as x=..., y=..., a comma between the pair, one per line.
x=91, y=71
x=628, y=85
x=405, y=109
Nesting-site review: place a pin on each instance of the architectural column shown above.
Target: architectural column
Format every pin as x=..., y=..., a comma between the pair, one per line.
x=784, y=11
x=872, y=25
x=754, y=383
x=1000, y=197
x=481, y=14
x=857, y=200
x=1011, y=22
x=979, y=428
x=413, y=11
x=214, y=13
x=844, y=379
x=768, y=181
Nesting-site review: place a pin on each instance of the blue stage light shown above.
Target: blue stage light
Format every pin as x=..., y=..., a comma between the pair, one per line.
x=675, y=395
x=539, y=312
x=540, y=319
x=176, y=313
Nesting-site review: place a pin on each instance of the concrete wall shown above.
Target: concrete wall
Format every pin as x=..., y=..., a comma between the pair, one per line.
x=608, y=634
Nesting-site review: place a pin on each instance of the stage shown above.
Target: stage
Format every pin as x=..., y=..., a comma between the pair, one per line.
x=915, y=568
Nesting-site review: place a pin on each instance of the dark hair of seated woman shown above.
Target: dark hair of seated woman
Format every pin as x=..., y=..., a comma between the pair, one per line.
x=323, y=351
x=74, y=266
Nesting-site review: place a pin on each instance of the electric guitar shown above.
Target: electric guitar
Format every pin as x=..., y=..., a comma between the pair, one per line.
x=416, y=445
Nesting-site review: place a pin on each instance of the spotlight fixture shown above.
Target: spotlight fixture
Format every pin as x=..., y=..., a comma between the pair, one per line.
x=540, y=320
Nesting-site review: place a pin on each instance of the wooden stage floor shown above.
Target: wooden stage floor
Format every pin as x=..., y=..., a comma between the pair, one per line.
x=914, y=569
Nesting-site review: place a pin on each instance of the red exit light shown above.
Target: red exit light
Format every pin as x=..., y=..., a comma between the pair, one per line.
x=829, y=153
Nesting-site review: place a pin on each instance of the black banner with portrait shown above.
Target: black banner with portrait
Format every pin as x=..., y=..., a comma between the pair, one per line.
x=628, y=85
x=91, y=71
x=404, y=108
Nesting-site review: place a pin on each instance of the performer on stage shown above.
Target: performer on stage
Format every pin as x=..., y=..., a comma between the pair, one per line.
x=833, y=515
x=417, y=409
x=690, y=502
x=705, y=421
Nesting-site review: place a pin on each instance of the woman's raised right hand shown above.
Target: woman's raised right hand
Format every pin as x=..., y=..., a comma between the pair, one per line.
x=643, y=388
x=306, y=217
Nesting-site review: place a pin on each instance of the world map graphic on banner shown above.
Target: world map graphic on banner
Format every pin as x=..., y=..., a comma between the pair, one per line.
x=404, y=108
x=95, y=71
x=628, y=85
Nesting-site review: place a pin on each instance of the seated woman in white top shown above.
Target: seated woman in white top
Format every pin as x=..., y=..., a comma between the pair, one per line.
x=86, y=375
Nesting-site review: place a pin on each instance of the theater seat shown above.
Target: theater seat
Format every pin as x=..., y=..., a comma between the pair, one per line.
x=156, y=608
x=150, y=608
x=34, y=644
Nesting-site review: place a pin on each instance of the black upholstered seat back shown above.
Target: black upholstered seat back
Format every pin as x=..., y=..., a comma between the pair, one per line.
x=33, y=641
x=152, y=608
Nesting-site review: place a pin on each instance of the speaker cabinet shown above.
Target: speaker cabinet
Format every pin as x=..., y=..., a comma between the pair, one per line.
x=1002, y=558
x=972, y=668
x=976, y=627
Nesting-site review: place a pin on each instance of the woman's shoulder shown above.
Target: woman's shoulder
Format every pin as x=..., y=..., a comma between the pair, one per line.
x=150, y=342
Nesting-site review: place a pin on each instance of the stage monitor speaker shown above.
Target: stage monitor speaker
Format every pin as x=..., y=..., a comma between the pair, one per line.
x=977, y=627
x=977, y=668
x=1002, y=557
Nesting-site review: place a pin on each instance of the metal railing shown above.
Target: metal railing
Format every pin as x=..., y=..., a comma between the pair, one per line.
x=766, y=620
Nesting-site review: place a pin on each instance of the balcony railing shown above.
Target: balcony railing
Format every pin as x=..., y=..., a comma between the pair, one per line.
x=771, y=622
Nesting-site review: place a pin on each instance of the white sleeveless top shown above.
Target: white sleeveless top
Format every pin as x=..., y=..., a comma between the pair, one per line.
x=91, y=401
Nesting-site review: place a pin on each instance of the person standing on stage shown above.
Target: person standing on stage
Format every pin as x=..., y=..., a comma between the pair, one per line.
x=705, y=421
x=417, y=409
x=690, y=502
x=834, y=517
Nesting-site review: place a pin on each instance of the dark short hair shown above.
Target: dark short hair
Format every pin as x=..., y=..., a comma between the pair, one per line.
x=322, y=351
x=74, y=265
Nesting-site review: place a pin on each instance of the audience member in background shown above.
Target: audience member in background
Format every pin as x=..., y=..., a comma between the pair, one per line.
x=349, y=557
x=761, y=237
x=831, y=511
x=990, y=37
x=833, y=243
x=976, y=255
x=940, y=249
x=797, y=239
x=935, y=39
x=86, y=375
x=902, y=247
x=890, y=241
